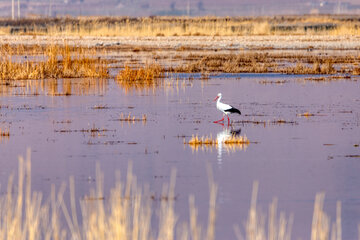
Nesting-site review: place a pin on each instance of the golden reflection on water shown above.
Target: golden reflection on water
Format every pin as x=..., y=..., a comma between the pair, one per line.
x=89, y=86
x=227, y=140
x=169, y=85
x=54, y=87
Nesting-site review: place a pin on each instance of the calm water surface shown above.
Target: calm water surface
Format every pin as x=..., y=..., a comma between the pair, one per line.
x=292, y=160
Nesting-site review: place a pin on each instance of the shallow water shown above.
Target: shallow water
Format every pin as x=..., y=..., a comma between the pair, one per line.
x=292, y=160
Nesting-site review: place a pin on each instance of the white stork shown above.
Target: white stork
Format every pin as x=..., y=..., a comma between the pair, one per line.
x=225, y=108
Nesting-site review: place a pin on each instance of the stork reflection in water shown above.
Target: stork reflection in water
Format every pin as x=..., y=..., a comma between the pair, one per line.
x=222, y=136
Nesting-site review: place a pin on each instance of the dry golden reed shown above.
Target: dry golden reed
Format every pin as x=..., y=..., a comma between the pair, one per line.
x=279, y=227
x=208, y=140
x=58, y=62
x=126, y=214
x=142, y=78
x=231, y=143
x=145, y=74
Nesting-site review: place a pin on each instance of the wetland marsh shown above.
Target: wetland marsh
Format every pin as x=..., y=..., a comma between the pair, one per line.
x=298, y=133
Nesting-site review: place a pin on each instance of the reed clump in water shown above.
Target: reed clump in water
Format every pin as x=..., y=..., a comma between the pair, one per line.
x=140, y=78
x=131, y=118
x=58, y=62
x=209, y=141
x=198, y=141
x=237, y=140
x=142, y=74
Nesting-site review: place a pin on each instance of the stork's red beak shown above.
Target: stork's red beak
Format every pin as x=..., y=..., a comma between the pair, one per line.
x=216, y=98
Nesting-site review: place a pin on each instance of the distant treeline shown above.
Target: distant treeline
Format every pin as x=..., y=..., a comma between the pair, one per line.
x=185, y=26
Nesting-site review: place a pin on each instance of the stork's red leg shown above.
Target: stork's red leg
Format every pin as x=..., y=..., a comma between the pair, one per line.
x=228, y=119
x=219, y=120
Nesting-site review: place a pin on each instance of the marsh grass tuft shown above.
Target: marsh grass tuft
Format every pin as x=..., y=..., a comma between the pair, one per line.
x=145, y=74
x=131, y=118
x=146, y=77
x=231, y=143
x=204, y=140
x=237, y=140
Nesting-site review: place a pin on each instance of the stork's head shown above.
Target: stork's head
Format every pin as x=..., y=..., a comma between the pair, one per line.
x=218, y=96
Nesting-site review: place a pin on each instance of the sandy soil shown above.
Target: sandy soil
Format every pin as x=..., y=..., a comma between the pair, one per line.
x=198, y=42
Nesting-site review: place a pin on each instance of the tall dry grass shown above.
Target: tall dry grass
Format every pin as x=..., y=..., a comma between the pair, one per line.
x=185, y=26
x=55, y=62
x=278, y=228
x=128, y=214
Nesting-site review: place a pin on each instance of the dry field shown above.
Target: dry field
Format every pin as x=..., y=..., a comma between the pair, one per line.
x=324, y=44
x=192, y=54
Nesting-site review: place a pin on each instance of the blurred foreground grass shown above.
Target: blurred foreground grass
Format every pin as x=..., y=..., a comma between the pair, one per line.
x=128, y=214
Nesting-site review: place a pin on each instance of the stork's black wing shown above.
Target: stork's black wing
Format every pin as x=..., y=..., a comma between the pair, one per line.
x=233, y=110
